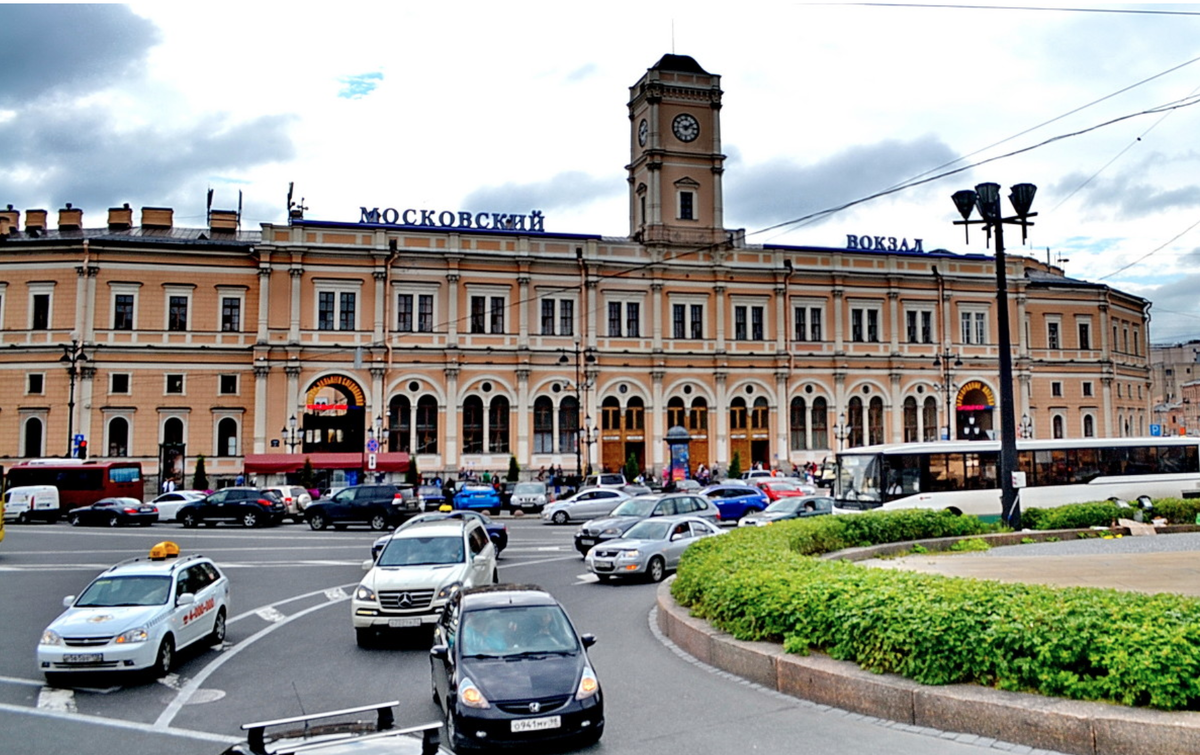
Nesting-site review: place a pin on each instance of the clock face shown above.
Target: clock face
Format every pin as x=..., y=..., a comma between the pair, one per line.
x=643, y=132
x=685, y=127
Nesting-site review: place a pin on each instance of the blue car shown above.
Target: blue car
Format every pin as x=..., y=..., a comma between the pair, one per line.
x=736, y=501
x=477, y=496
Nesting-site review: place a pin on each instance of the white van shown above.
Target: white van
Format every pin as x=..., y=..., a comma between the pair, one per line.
x=31, y=502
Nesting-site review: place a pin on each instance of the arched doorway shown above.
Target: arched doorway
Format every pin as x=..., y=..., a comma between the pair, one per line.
x=334, y=416
x=974, y=408
x=33, y=437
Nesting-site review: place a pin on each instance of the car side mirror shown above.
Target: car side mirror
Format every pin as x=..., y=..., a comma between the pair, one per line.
x=587, y=639
x=185, y=599
x=441, y=652
x=368, y=564
x=678, y=536
x=67, y=601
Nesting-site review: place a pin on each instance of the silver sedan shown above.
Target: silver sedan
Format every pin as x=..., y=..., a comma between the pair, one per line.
x=586, y=504
x=649, y=548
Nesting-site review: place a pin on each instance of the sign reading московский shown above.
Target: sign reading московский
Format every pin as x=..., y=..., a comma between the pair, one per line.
x=534, y=222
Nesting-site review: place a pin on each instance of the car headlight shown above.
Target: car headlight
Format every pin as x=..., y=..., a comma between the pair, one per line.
x=50, y=637
x=629, y=554
x=610, y=531
x=470, y=696
x=364, y=593
x=449, y=590
x=589, y=685
x=133, y=635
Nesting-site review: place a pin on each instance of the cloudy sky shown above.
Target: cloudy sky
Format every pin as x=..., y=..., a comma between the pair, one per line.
x=517, y=106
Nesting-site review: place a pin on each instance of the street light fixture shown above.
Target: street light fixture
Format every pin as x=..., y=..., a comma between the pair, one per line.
x=72, y=356
x=290, y=437
x=584, y=386
x=986, y=197
x=942, y=361
x=841, y=431
x=1026, y=427
x=589, y=434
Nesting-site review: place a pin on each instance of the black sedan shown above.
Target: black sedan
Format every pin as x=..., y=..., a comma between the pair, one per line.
x=114, y=512
x=509, y=669
x=792, y=507
x=497, y=532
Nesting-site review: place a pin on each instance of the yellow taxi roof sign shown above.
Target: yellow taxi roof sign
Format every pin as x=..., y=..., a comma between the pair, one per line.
x=164, y=550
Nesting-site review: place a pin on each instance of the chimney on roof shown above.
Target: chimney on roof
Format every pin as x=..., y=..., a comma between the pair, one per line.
x=10, y=221
x=222, y=220
x=120, y=218
x=70, y=218
x=157, y=217
x=35, y=220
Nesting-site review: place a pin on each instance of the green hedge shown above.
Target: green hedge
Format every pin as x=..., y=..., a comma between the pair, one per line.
x=758, y=584
x=1106, y=514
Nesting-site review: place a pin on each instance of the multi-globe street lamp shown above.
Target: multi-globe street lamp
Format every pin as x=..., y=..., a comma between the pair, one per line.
x=72, y=356
x=942, y=362
x=291, y=437
x=581, y=385
x=986, y=198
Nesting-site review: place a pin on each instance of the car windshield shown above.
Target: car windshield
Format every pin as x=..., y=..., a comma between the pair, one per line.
x=640, y=506
x=422, y=551
x=109, y=592
x=530, y=488
x=651, y=529
x=787, y=506
x=524, y=630
x=478, y=489
x=427, y=490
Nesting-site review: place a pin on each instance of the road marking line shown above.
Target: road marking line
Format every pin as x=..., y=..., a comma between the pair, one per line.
x=117, y=724
x=170, y=680
x=17, y=680
x=270, y=614
x=336, y=593
x=583, y=579
x=285, y=601
x=57, y=700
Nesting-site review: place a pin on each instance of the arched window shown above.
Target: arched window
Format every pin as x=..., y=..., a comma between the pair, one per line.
x=427, y=425
x=1089, y=426
x=854, y=418
x=737, y=414
x=227, y=437
x=118, y=437
x=498, y=426
x=1057, y=426
x=675, y=413
x=635, y=413
x=929, y=423
x=698, y=416
x=910, y=420
x=610, y=414
x=33, y=437
x=760, y=417
x=797, y=425
x=820, y=423
x=472, y=425
x=568, y=425
x=173, y=430
x=400, y=424
x=875, y=421
x=543, y=425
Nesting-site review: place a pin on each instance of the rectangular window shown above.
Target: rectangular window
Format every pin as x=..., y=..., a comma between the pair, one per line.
x=926, y=327
x=425, y=313
x=325, y=301
x=478, y=312
x=35, y=382
x=177, y=313
x=231, y=314
x=227, y=385
x=1052, y=339
x=123, y=312
x=918, y=326
x=678, y=320
x=497, y=319
x=756, y=323
x=1085, y=336
x=1087, y=388
x=404, y=313
x=911, y=327
x=118, y=382
x=346, y=310
x=873, y=326
x=856, y=325
x=633, y=319
x=686, y=211
x=739, y=323
x=800, y=323
x=566, y=317
x=614, y=319
x=697, y=321
x=40, y=318
x=864, y=325
x=174, y=382
x=1056, y=389
x=547, y=317
x=974, y=327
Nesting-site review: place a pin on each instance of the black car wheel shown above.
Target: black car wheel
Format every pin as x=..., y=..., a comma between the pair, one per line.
x=165, y=658
x=437, y=699
x=75, y=520
x=560, y=517
x=23, y=518
x=365, y=637
x=316, y=520
x=189, y=520
x=250, y=519
x=217, y=636
x=378, y=522
x=656, y=570
x=113, y=521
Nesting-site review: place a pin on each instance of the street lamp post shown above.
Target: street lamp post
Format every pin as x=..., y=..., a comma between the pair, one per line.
x=841, y=431
x=942, y=361
x=986, y=197
x=290, y=437
x=588, y=435
x=579, y=385
x=1026, y=427
x=72, y=356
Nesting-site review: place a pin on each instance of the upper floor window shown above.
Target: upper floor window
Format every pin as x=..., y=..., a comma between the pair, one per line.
x=919, y=325
x=177, y=313
x=231, y=314
x=687, y=321
x=1052, y=336
x=864, y=325
x=337, y=305
x=123, y=312
x=807, y=323
x=414, y=313
x=1085, y=335
x=974, y=327
x=347, y=310
x=630, y=325
x=1087, y=388
x=39, y=308
x=558, y=317
x=687, y=205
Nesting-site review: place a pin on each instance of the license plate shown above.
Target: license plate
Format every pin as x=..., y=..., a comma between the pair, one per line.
x=587, y=541
x=83, y=658
x=602, y=565
x=536, y=724
x=410, y=621
x=146, y=509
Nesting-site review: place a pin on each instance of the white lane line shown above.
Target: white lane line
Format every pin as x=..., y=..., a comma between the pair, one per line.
x=25, y=682
x=583, y=579
x=285, y=601
x=117, y=724
x=57, y=700
x=270, y=614
x=163, y=723
x=336, y=593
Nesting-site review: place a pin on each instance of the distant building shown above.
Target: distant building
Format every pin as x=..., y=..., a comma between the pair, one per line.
x=460, y=339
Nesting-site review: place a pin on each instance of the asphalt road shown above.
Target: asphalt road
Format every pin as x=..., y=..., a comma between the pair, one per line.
x=290, y=648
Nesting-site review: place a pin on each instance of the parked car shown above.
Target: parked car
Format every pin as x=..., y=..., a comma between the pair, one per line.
x=497, y=531
x=479, y=496
x=295, y=498
x=650, y=548
x=789, y=508
x=419, y=569
x=430, y=497
x=584, y=505
x=249, y=507
x=783, y=487
x=736, y=501
x=114, y=512
x=169, y=504
x=529, y=496
x=377, y=506
x=505, y=490
x=754, y=474
x=28, y=503
x=508, y=668
x=604, y=480
x=630, y=512
x=347, y=737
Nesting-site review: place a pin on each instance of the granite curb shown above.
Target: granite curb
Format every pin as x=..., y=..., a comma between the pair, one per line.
x=1068, y=726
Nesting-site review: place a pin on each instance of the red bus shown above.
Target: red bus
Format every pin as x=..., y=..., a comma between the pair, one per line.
x=81, y=483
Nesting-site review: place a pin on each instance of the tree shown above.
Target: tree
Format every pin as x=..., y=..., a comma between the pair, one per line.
x=413, y=475
x=735, y=466
x=308, y=479
x=631, y=468
x=514, y=470
x=200, y=478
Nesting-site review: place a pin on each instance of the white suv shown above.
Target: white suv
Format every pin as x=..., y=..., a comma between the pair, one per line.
x=417, y=571
x=137, y=615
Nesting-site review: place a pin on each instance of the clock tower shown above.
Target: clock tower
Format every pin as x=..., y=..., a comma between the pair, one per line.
x=675, y=141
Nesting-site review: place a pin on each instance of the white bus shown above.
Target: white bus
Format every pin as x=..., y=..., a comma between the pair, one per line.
x=962, y=476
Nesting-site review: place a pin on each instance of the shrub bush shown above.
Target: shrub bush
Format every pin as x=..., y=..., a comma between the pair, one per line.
x=762, y=583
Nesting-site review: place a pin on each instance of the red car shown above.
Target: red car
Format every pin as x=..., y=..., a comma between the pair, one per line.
x=781, y=487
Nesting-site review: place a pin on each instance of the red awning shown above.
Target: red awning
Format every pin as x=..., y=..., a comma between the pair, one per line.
x=284, y=463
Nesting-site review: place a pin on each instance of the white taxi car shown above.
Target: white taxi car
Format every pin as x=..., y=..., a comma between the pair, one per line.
x=136, y=615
